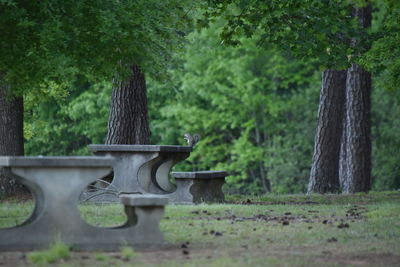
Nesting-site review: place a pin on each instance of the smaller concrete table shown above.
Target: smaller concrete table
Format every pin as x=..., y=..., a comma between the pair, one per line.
x=56, y=184
x=142, y=168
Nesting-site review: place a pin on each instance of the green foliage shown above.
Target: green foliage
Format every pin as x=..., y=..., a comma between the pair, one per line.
x=128, y=252
x=328, y=32
x=317, y=29
x=308, y=29
x=383, y=58
x=252, y=109
x=101, y=257
x=58, y=251
x=66, y=126
x=51, y=42
x=385, y=129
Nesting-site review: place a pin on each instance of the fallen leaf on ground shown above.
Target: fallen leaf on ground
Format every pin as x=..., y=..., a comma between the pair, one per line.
x=332, y=239
x=343, y=225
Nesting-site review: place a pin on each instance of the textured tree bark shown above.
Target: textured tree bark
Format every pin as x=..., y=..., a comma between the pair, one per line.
x=11, y=138
x=357, y=169
x=324, y=176
x=342, y=156
x=356, y=155
x=128, y=121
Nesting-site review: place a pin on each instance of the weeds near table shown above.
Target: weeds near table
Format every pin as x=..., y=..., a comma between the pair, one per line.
x=58, y=251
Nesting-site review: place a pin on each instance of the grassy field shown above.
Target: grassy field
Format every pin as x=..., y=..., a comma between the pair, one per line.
x=273, y=230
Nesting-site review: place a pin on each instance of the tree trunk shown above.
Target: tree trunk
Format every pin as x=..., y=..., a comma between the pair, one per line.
x=128, y=123
x=342, y=156
x=324, y=176
x=11, y=138
x=356, y=170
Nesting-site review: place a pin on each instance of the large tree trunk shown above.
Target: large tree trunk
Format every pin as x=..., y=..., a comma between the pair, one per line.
x=356, y=156
x=324, y=176
x=11, y=137
x=128, y=123
x=357, y=169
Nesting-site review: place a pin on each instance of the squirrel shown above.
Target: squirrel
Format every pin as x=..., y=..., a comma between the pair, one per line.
x=191, y=140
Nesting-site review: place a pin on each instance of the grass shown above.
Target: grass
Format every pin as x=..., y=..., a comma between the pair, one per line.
x=14, y=213
x=101, y=257
x=303, y=225
x=281, y=230
x=358, y=198
x=128, y=253
x=57, y=252
x=103, y=215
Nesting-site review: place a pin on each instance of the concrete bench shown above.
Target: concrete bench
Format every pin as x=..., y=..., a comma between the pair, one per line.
x=56, y=184
x=199, y=186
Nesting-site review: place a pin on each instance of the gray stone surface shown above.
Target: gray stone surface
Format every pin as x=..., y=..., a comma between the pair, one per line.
x=139, y=148
x=55, y=161
x=143, y=200
x=200, y=174
x=140, y=168
x=197, y=187
x=56, y=188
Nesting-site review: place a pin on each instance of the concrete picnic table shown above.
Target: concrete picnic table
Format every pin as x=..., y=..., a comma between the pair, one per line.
x=56, y=184
x=142, y=168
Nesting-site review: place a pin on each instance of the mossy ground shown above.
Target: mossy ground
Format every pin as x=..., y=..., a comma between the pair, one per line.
x=275, y=230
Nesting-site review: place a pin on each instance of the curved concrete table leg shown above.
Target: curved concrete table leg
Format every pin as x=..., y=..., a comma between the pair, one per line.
x=56, y=215
x=161, y=178
x=146, y=174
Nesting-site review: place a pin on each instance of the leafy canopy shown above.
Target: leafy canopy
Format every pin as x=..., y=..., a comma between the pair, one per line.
x=308, y=29
x=47, y=43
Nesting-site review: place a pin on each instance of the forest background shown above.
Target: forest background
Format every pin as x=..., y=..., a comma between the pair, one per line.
x=255, y=109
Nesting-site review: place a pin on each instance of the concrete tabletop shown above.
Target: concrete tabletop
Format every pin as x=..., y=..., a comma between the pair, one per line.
x=39, y=161
x=139, y=148
x=200, y=174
